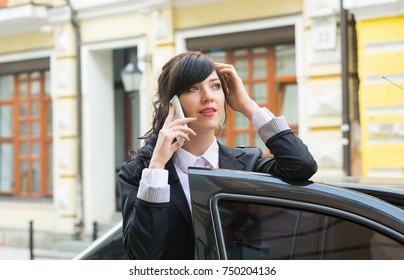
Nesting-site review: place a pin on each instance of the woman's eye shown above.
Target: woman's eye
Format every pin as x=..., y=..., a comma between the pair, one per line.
x=217, y=86
x=193, y=88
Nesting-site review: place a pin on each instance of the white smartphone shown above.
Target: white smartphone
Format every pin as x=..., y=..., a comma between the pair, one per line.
x=178, y=114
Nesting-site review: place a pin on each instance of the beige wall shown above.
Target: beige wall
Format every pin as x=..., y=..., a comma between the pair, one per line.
x=116, y=27
x=235, y=10
x=25, y=42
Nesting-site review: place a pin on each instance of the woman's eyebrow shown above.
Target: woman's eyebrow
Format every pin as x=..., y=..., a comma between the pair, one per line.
x=214, y=79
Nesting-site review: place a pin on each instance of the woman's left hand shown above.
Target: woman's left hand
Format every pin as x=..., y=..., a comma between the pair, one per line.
x=237, y=96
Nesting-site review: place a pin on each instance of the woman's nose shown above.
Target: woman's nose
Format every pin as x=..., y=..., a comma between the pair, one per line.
x=207, y=96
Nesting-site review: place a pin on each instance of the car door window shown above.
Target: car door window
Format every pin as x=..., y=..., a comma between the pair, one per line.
x=261, y=231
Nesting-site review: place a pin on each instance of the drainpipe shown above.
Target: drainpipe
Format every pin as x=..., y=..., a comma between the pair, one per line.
x=345, y=128
x=79, y=225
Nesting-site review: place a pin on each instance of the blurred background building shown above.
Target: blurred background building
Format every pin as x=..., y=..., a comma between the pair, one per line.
x=78, y=78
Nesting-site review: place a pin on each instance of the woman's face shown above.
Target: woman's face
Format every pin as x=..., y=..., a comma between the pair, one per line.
x=205, y=101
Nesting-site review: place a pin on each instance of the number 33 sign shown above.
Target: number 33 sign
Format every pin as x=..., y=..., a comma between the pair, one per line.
x=324, y=33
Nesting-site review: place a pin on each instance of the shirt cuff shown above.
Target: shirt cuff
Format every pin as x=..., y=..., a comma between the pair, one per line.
x=272, y=128
x=261, y=117
x=153, y=186
x=267, y=124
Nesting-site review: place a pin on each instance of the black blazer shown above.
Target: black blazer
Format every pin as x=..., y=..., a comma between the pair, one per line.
x=165, y=230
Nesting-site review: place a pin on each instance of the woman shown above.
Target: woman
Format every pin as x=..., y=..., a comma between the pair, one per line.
x=157, y=221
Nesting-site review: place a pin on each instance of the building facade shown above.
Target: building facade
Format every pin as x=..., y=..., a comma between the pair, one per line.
x=67, y=122
x=381, y=72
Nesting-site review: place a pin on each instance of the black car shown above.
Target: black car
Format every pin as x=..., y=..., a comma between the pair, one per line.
x=246, y=215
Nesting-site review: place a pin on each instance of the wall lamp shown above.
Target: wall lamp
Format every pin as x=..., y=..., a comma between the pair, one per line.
x=131, y=74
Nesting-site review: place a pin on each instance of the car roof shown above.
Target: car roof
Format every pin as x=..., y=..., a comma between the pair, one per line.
x=381, y=183
x=388, y=189
x=205, y=183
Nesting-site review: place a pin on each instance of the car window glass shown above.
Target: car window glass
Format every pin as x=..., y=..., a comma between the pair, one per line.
x=260, y=231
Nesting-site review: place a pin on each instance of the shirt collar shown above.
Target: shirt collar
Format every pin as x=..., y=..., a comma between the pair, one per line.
x=183, y=159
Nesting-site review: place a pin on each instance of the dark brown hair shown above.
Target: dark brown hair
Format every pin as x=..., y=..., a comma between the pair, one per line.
x=178, y=74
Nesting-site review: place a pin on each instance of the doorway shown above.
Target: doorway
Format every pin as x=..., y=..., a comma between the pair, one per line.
x=127, y=115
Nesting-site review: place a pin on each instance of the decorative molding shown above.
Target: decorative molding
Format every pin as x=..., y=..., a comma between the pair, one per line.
x=21, y=56
x=97, y=9
x=59, y=15
x=385, y=110
x=387, y=129
x=187, y=3
x=371, y=9
x=316, y=8
x=329, y=154
x=323, y=98
x=392, y=79
x=326, y=103
x=384, y=47
x=349, y=4
x=24, y=18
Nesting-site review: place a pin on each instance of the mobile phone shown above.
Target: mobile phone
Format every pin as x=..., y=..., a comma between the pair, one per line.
x=178, y=114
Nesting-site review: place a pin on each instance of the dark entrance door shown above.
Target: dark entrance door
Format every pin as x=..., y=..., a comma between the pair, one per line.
x=127, y=117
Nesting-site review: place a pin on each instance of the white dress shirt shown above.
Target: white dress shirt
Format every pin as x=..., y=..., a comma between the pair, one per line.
x=154, y=187
x=183, y=159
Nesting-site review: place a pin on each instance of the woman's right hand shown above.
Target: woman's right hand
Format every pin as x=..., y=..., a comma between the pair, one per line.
x=165, y=145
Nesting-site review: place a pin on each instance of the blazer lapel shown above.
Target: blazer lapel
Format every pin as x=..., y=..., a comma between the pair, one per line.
x=177, y=195
x=228, y=158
